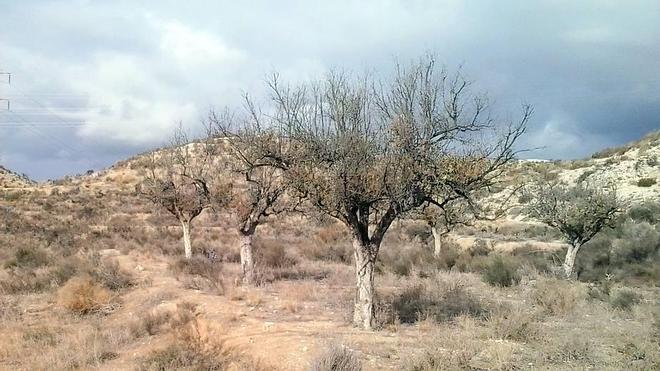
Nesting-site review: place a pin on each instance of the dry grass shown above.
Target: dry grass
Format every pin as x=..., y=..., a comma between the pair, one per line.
x=336, y=358
x=558, y=297
x=199, y=273
x=192, y=351
x=82, y=295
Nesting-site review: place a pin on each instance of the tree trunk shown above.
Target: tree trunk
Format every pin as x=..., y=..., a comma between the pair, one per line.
x=437, y=241
x=363, y=314
x=247, y=259
x=186, y=238
x=569, y=261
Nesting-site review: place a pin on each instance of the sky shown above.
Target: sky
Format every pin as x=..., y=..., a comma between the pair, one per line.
x=94, y=82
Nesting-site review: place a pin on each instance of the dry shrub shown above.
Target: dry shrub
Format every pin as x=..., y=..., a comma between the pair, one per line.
x=150, y=323
x=405, y=258
x=271, y=253
x=625, y=299
x=35, y=270
x=440, y=299
x=199, y=273
x=572, y=351
x=160, y=319
x=453, y=352
x=331, y=243
x=25, y=257
x=87, y=347
x=40, y=335
x=336, y=358
x=82, y=295
x=190, y=351
x=557, y=297
x=513, y=323
x=501, y=271
x=112, y=276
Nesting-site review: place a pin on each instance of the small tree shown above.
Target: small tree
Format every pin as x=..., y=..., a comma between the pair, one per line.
x=579, y=212
x=370, y=151
x=257, y=151
x=442, y=220
x=178, y=180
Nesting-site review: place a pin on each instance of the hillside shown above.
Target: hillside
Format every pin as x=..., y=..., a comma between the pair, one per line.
x=9, y=179
x=633, y=169
x=93, y=237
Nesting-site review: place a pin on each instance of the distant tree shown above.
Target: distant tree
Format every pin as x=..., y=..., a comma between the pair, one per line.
x=579, y=212
x=442, y=220
x=179, y=181
x=257, y=151
x=372, y=150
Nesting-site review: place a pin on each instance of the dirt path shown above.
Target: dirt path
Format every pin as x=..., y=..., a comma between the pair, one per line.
x=260, y=327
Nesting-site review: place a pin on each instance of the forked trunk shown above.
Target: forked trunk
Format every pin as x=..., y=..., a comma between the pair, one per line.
x=569, y=261
x=363, y=314
x=437, y=241
x=186, y=238
x=247, y=259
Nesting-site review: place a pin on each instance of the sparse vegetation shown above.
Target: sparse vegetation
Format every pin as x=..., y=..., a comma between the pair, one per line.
x=336, y=358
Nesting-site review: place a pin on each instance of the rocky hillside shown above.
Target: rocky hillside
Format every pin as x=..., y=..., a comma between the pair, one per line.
x=9, y=179
x=633, y=169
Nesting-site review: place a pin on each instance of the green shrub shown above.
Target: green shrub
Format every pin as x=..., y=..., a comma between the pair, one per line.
x=639, y=242
x=501, y=271
x=646, y=182
x=646, y=212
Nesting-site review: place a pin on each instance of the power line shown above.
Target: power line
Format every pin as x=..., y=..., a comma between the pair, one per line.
x=8, y=74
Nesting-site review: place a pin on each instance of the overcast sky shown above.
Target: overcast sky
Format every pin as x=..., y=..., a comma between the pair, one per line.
x=129, y=70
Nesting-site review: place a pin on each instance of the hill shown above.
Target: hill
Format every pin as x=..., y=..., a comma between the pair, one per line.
x=91, y=274
x=10, y=179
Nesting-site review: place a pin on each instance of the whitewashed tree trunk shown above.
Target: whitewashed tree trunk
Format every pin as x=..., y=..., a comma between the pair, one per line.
x=569, y=261
x=363, y=314
x=247, y=259
x=437, y=241
x=186, y=238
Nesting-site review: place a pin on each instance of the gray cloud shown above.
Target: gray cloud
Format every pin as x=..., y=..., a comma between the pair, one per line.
x=131, y=69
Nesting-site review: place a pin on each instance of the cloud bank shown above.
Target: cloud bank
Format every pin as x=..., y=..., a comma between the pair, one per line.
x=130, y=70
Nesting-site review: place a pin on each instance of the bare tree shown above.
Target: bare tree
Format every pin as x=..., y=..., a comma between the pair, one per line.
x=373, y=150
x=179, y=181
x=257, y=151
x=443, y=219
x=579, y=212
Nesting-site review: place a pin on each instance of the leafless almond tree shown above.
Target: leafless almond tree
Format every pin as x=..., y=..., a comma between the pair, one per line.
x=579, y=212
x=371, y=150
x=257, y=152
x=442, y=220
x=179, y=181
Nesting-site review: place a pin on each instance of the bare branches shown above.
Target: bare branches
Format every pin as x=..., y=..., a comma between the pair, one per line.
x=261, y=155
x=178, y=177
x=375, y=149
